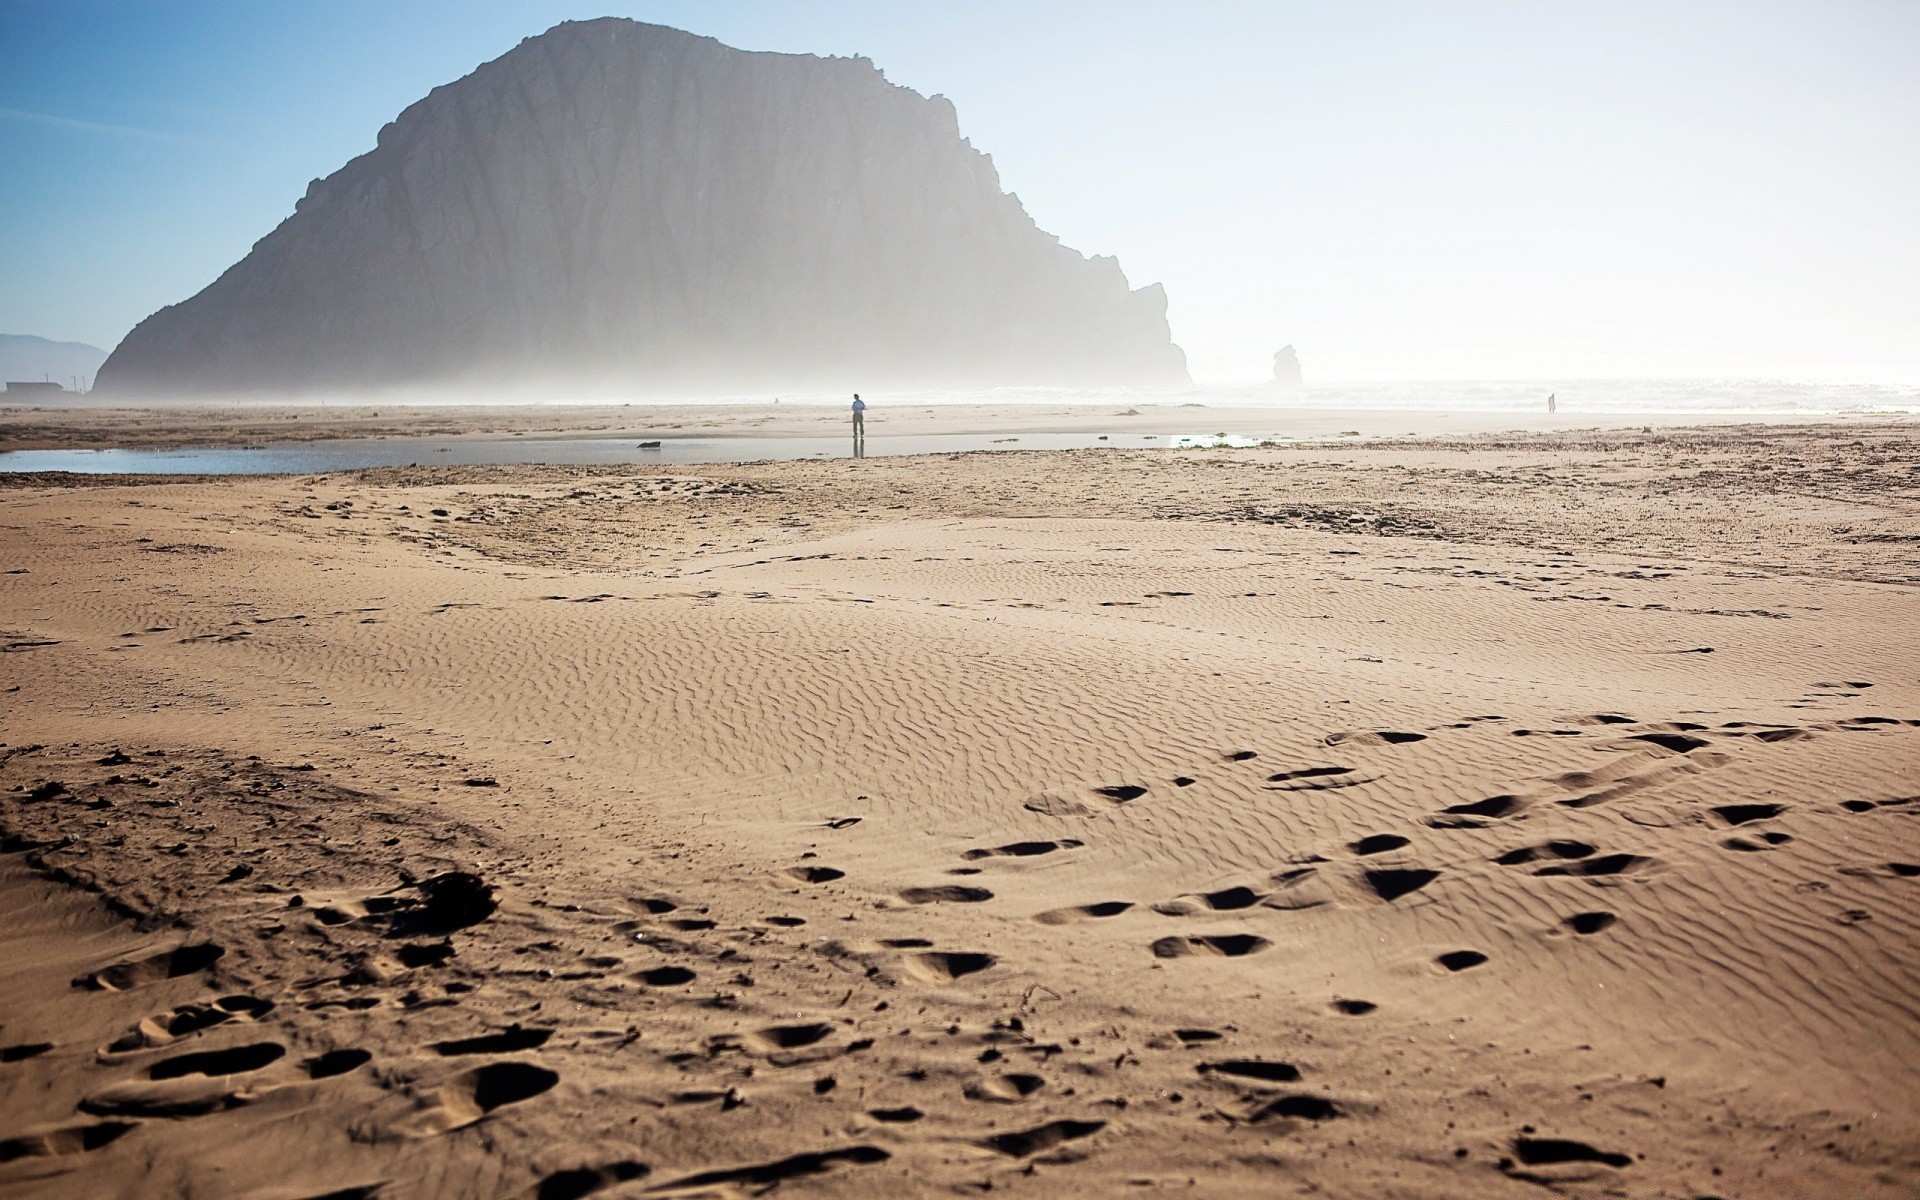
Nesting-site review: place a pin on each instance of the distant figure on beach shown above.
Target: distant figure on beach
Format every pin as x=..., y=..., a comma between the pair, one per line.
x=859, y=426
x=1549, y=402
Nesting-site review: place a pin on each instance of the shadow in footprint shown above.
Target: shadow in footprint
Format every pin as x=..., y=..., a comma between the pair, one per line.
x=1391, y=883
x=1377, y=843
x=1593, y=868
x=1354, y=1008
x=816, y=874
x=668, y=976
x=57, y=1143
x=1023, y=849
x=1540, y=1152
x=770, y=1175
x=1559, y=848
x=1229, y=899
x=1004, y=1089
x=1300, y=1108
x=1590, y=922
x=1025, y=1142
x=1679, y=743
x=169, y=964
x=335, y=1062
x=953, y=893
x=1083, y=912
x=1741, y=814
x=1308, y=779
x=189, y=1018
x=585, y=1181
x=507, y=1041
x=1461, y=960
x=1253, y=1068
x=788, y=1037
x=22, y=1051
x=1226, y=945
x=235, y=1061
x=1383, y=737
x=944, y=966
x=1476, y=814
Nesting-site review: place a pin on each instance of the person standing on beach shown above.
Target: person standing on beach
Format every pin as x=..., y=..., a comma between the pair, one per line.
x=1549, y=402
x=859, y=426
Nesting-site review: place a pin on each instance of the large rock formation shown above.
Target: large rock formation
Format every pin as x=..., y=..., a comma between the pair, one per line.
x=614, y=207
x=1286, y=370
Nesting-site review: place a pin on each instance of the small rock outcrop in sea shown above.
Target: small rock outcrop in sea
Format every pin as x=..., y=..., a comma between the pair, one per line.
x=621, y=208
x=1286, y=370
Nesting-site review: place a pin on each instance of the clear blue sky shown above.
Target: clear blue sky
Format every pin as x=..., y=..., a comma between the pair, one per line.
x=1402, y=190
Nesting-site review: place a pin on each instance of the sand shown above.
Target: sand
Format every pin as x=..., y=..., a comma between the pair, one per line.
x=86, y=425
x=1463, y=818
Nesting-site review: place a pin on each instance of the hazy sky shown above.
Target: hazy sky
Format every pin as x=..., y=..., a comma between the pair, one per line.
x=1403, y=191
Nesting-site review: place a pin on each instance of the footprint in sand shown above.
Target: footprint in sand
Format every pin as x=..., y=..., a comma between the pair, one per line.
x=1598, y=868
x=1225, y=945
x=1026, y=1142
x=1679, y=743
x=1004, y=1089
x=1382, y=737
x=336, y=1062
x=1095, y=800
x=187, y=1019
x=168, y=964
x=1391, y=883
x=1225, y=900
x=1590, y=922
x=1765, y=840
x=1252, y=1069
x=510, y=1040
x=1541, y=1152
x=236, y=1060
x=1461, y=960
x=668, y=976
x=764, y=1177
x=1022, y=849
x=1377, y=843
x=471, y=1095
x=62, y=1140
x=816, y=874
x=946, y=966
x=188, y=1085
x=578, y=1182
x=1559, y=848
x=1317, y=779
x=1476, y=814
x=22, y=1051
x=1083, y=912
x=951, y=893
x=1296, y=1108
x=436, y=906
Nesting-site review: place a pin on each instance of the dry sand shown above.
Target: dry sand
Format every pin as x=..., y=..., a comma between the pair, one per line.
x=1460, y=819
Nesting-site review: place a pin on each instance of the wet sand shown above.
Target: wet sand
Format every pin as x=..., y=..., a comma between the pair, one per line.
x=85, y=426
x=1469, y=817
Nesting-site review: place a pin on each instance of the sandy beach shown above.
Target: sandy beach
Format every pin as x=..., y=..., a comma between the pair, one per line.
x=1527, y=807
x=87, y=426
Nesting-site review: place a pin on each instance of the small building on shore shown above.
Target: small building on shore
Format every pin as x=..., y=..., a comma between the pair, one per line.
x=31, y=389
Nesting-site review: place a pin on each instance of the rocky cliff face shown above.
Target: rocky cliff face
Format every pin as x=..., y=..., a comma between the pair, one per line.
x=614, y=207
